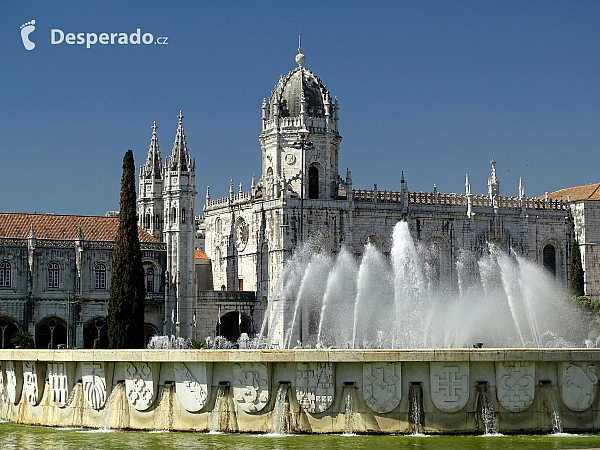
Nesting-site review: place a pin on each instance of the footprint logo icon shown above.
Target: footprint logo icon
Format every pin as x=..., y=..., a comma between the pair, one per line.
x=26, y=30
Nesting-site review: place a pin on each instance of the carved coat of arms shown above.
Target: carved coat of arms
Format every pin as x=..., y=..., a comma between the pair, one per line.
x=30, y=381
x=191, y=388
x=315, y=386
x=449, y=385
x=13, y=382
x=515, y=384
x=577, y=385
x=382, y=388
x=140, y=385
x=93, y=378
x=251, y=386
x=59, y=386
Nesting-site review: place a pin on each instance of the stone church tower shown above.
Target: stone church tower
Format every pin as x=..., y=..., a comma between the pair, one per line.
x=299, y=139
x=166, y=210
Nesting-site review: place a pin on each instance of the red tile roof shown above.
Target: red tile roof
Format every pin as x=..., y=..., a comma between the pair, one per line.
x=53, y=226
x=201, y=255
x=578, y=193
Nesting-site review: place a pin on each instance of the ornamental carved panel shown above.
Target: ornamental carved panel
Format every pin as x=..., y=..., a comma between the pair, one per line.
x=14, y=381
x=251, y=386
x=59, y=383
x=382, y=388
x=30, y=382
x=449, y=385
x=577, y=383
x=140, y=385
x=315, y=386
x=191, y=385
x=515, y=384
x=242, y=231
x=93, y=377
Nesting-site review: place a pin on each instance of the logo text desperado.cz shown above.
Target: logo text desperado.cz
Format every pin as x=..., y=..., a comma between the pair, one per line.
x=57, y=36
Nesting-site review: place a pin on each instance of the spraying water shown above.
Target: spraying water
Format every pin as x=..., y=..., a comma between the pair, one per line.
x=414, y=297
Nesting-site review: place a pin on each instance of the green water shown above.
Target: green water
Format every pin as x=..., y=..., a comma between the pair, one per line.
x=28, y=437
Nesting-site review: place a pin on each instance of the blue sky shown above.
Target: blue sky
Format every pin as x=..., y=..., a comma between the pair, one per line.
x=435, y=89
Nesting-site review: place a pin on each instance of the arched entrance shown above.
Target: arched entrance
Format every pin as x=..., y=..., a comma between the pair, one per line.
x=8, y=328
x=51, y=332
x=233, y=324
x=149, y=332
x=95, y=329
x=549, y=259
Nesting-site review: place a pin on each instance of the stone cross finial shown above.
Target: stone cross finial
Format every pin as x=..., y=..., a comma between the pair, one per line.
x=180, y=117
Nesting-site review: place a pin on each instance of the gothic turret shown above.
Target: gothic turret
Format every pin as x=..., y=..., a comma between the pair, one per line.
x=300, y=110
x=179, y=196
x=150, y=201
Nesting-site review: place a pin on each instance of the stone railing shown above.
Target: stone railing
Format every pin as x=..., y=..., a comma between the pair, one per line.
x=227, y=296
x=243, y=197
x=433, y=198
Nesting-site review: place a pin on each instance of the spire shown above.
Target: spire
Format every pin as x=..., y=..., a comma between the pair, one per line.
x=180, y=156
x=467, y=185
x=300, y=58
x=207, y=195
x=231, y=191
x=153, y=166
x=493, y=183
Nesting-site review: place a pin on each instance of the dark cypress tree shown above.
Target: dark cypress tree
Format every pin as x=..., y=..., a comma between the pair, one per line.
x=576, y=280
x=127, y=291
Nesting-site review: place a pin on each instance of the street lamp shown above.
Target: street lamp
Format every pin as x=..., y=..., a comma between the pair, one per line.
x=302, y=145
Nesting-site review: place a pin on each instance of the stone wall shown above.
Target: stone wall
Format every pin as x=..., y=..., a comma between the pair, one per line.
x=586, y=215
x=325, y=391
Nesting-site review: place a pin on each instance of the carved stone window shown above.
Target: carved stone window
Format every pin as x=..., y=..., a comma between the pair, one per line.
x=150, y=280
x=100, y=276
x=53, y=275
x=5, y=274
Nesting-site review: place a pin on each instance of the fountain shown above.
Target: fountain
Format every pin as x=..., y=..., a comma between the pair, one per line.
x=221, y=414
x=116, y=410
x=550, y=405
x=348, y=394
x=485, y=409
x=281, y=422
x=410, y=299
x=415, y=399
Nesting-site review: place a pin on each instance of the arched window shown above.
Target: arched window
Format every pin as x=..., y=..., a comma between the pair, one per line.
x=218, y=226
x=53, y=273
x=157, y=221
x=5, y=270
x=313, y=182
x=100, y=276
x=147, y=224
x=549, y=258
x=150, y=280
x=183, y=215
x=173, y=215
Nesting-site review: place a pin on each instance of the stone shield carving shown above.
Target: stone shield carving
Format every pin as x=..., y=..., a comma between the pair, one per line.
x=315, y=386
x=577, y=385
x=191, y=388
x=59, y=383
x=30, y=382
x=251, y=386
x=449, y=385
x=14, y=381
x=382, y=388
x=93, y=377
x=140, y=385
x=515, y=384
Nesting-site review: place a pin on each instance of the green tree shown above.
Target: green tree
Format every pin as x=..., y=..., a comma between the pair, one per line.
x=576, y=280
x=127, y=292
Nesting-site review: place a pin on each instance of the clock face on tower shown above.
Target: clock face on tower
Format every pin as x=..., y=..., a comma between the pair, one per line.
x=241, y=233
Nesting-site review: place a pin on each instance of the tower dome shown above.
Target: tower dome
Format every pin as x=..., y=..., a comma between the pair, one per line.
x=298, y=86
